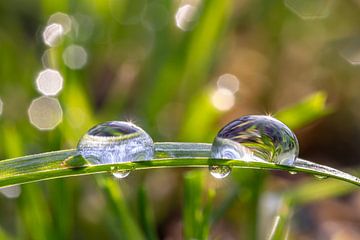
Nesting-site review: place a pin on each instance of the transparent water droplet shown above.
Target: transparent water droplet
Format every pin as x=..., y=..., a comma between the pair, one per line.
x=292, y=172
x=120, y=173
x=115, y=142
x=256, y=138
x=321, y=177
x=219, y=171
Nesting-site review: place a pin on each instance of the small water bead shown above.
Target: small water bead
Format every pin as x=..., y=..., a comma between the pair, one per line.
x=116, y=142
x=219, y=171
x=256, y=138
x=119, y=173
x=321, y=177
x=292, y=172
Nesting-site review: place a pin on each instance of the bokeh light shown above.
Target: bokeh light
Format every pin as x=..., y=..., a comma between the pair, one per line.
x=310, y=9
x=49, y=82
x=75, y=57
x=45, y=113
x=11, y=192
x=350, y=51
x=52, y=34
x=228, y=81
x=223, y=99
x=133, y=13
x=155, y=16
x=185, y=17
x=63, y=19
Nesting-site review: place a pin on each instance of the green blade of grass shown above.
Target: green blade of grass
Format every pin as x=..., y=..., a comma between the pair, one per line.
x=147, y=214
x=309, y=109
x=51, y=165
x=196, y=218
x=128, y=228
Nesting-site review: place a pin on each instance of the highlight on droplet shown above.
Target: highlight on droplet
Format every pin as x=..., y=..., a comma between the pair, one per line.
x=49, y=82
x=45, y=113
x=52, y=34
x=75, y=57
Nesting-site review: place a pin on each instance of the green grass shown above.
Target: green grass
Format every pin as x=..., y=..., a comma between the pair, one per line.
x=163, y=81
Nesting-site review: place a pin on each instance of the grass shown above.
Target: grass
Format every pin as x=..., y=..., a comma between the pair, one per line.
x=163, y=80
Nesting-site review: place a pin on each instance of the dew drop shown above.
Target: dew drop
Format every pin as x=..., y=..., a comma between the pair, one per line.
x=292, y=172
x=256, y=138
x=120, y=173
x=321, y=177
x=115, y=142
x=219, y=171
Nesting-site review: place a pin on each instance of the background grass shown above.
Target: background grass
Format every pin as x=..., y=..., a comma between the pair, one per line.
x=141, y=67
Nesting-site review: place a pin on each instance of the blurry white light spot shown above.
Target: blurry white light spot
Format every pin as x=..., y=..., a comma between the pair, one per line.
x=11, y=192
x=63, y=19
x=45, y=113
x=310, y=9
x=1, y=106
x=223, y=99
x=75, y=57
x=185, y=17
x=52, y=34
x=49, y=82
x=228, y=81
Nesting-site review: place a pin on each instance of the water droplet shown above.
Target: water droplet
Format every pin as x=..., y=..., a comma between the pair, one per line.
x=119, y=173
x=292, y=172
x=219, y=171
x=321, y=176
x=115, y=142
x=256, y=138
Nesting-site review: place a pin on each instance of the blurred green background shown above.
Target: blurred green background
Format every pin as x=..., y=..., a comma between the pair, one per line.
x=180, y=70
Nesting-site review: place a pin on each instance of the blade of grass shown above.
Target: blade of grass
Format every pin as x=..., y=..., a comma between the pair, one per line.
x=35, y=214
x=196, y=218
x=147, y=215
x=4, y=235
x=128, y=228
x=309, y=109
x=303, y=194
x=51, y=165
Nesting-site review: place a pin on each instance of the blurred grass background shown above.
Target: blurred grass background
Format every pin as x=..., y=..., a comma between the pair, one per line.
x=159, y=63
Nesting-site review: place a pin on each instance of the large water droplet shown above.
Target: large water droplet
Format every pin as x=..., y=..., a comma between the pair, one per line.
x=219, y=171
x=115, y=142
x=256, y=138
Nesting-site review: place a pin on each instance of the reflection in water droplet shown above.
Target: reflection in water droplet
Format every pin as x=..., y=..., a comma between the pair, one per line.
x=256, y=138
x=292, y=172
x=321, y=176
x=220, y=171
x=115, y=142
